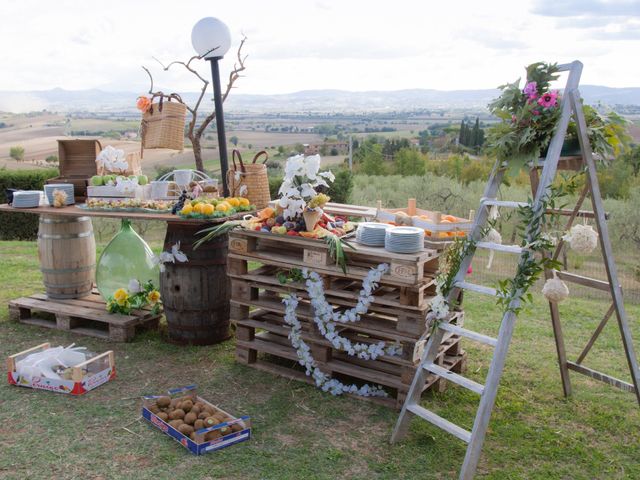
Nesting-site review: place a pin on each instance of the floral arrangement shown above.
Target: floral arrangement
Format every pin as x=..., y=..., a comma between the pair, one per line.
x=299, y=211
x=143, y=103
x=112, y=160
x=325, y=318
x=529, y=116
x=135, y=297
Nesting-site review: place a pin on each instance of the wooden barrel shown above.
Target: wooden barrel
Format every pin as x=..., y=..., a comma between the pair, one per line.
x=67, y=251
x=195, y=294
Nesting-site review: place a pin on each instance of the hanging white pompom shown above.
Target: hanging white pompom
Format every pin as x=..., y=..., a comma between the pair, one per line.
x=582, y=239
x=492, y=236
x=555, y=290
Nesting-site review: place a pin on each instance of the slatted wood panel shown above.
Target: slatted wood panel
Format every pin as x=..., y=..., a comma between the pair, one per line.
x=397, y=313
x=84, y=316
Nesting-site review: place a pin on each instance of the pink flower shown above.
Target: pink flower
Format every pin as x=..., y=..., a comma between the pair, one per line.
x=536, y=112
x=548, y=100
x=514, y=118
x=531, y=90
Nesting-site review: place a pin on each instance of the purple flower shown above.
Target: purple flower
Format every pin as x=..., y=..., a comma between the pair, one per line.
x=531, y=90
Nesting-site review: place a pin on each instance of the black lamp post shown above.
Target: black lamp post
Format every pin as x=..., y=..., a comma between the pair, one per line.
x=211, y=39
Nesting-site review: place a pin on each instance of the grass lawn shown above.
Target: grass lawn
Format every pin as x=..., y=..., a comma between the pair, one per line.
x=300, y=432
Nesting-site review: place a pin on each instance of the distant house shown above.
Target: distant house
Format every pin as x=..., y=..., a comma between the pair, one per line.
x=342, y=148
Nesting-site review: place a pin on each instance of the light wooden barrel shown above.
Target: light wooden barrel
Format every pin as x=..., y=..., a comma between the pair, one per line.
x=67, y=251
x=195, y=294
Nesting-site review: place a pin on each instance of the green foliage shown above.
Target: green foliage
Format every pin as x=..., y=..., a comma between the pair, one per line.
x=632, y=158
x=234, y=140
x=15, y=226
x=341, y=188
x=17, y=153
x=299, y=148
x=162, y=170
x=274, y=185
x=51, y=159
x=372, y=160
x=608, y=135
x=616, y=181
x=409, y=161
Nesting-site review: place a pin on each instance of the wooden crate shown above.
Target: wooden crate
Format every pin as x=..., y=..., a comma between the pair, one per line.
x=84, y=316
x=397, y=313
x=77, y=163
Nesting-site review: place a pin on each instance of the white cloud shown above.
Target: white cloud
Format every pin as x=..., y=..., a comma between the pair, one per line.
x=295, y=45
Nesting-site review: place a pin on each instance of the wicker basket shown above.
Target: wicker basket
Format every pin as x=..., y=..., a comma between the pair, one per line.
x=255, y=179
x=163, y=124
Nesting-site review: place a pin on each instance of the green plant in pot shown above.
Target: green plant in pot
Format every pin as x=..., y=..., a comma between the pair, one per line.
x=529, y=116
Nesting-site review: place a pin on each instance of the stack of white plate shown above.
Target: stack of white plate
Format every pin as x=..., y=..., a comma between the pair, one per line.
x=26, y=199
x=372, y=234
x=404, y=239
x=66, y=187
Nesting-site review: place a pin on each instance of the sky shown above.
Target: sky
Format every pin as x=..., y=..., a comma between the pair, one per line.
x=295, y=45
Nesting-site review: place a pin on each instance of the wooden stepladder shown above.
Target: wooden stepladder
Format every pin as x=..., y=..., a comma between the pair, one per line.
x=570, y=106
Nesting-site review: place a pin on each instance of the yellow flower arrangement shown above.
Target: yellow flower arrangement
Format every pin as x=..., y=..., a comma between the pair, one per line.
x=153, y=297
x=121, y=296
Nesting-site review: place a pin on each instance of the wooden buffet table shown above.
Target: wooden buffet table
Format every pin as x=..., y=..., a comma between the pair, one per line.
x=195, y=294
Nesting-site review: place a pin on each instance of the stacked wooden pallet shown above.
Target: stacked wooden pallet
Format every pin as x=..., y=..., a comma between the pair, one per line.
x=256, y=263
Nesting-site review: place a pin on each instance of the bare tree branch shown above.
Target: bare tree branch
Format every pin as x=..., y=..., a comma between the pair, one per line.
x=194, y=134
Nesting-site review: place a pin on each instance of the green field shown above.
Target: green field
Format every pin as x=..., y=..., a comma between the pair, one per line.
x=300, y=432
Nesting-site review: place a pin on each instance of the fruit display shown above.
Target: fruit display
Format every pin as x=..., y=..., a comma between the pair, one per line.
x=189, y=414
x=128, y=205
x=111, y=180
x=270, y=221
x=204, y=208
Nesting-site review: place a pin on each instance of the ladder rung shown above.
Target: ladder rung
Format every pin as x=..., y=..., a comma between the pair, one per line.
x=500, y=248
x=454, y=377
x=477, y=288
x=440, y=422
x=502, y=203
x=478, y=337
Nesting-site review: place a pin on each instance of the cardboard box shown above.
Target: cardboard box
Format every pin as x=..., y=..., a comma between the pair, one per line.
x=198, y=447
x=84, y=377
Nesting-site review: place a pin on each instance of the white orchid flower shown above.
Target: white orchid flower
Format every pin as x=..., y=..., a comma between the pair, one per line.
x=311, y=166
x=328, y=175
x=306, y=190
x=177, y=254
x=134, y=286
x=295, y=166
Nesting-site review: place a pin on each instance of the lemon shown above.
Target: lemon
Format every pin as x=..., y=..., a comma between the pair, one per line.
x=244, y=202
x=197, y=208
x=208, y=209
x=222, y=207
x=234, y=202
x=186, y=210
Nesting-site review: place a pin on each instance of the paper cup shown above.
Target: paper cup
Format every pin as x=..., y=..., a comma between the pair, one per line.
x=182, y=177
x=159, y=189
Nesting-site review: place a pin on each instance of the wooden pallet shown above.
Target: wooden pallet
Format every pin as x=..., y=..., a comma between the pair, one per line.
x=84, y=316
x=263, y=344
x=397, y=313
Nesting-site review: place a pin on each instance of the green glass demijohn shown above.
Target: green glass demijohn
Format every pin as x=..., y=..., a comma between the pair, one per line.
x=126, y=257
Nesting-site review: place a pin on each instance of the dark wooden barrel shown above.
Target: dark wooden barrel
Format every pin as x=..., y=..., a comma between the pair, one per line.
x=67, y=251
x=195, y=294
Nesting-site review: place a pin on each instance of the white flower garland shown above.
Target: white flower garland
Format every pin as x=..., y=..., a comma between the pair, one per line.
x=326, y=318
x=322, y=380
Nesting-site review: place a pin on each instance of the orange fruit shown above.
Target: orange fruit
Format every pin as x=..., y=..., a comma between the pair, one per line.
x=208, y=209
x=450, y=218
x=444, y=220
x=244, y=202
x=266, y=213
x=197, y=208
x=234, y=202
x=186, y=210
x=222, y=207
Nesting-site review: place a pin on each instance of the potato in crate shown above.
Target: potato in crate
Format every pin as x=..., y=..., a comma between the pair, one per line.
x=196, y=424
x=63, y=370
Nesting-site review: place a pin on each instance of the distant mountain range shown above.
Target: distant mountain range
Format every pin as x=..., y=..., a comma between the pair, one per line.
x=60, y=100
